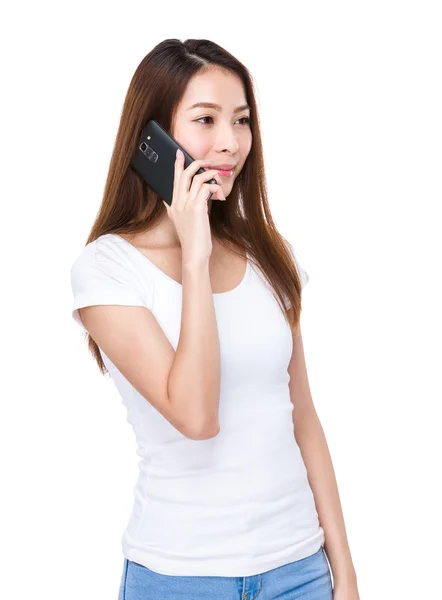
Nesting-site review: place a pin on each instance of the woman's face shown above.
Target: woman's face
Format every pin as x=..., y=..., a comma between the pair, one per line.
x=207, y=133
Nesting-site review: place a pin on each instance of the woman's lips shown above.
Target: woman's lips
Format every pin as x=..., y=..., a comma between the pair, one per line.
x=225, y=173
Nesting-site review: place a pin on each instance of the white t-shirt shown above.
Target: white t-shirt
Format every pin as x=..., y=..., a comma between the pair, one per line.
x=237, y=504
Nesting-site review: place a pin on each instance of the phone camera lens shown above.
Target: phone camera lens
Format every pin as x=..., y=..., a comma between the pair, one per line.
x=143, y=147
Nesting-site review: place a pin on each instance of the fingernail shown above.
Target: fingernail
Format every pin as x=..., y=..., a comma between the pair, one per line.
x=178, y=153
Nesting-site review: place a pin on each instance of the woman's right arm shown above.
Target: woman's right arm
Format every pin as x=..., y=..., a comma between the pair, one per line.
x=184, y=385
x=194, y=379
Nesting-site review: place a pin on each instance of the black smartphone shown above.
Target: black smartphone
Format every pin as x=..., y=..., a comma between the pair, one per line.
x=154, y=160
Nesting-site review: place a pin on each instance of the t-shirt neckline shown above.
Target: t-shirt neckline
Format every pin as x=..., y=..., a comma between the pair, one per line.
x=177, y=283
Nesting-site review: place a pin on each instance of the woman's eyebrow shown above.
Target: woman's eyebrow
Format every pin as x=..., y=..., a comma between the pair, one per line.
x=217, y=106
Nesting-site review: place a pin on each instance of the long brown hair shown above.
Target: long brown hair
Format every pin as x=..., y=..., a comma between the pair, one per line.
x=244, y=223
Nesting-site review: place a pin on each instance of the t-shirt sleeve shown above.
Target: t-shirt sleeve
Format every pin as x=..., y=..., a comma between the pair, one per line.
x=304, y=276
x=102, y=276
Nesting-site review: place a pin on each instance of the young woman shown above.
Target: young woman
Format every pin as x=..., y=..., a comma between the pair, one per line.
x=194, y=310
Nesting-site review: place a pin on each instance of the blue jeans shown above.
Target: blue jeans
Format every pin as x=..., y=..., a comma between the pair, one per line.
x=308, y=578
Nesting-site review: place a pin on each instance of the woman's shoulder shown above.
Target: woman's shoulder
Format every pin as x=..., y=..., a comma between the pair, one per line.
x=105, y=259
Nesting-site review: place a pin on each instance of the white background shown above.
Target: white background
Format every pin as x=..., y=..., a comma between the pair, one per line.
x=350, y=101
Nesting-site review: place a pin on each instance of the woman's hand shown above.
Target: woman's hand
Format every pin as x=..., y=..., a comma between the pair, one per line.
x=189, y=210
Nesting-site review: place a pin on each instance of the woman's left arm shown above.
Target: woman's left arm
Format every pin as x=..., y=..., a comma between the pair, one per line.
x=312, y=443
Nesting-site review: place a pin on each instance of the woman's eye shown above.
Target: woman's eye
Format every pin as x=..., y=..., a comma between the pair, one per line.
x=246, y=119
x=198, y=120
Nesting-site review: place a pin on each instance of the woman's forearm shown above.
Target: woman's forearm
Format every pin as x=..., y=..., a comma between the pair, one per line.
x=312, y=443
x=194, y=380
